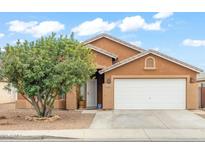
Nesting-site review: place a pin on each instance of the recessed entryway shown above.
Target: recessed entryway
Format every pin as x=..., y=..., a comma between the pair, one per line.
x=149, y=93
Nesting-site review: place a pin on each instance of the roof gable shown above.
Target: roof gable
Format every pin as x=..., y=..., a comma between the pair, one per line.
x=135, y=57
x=102, y=51
x=103, y=35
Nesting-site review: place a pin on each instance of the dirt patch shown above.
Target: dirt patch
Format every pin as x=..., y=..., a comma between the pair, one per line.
x=15, y=120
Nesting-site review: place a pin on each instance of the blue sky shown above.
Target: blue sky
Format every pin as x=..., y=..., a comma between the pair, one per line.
x=180, y=35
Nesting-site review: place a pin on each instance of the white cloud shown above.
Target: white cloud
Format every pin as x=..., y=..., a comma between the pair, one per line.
x=97, y=25
x=153, y=26
x=194, y=43
x=35, y=28
x=137, y=43
x=46, y=27
x=132, y=23
x=2, y=35
x=162, y=15
x=21, y=26
x=135, y=23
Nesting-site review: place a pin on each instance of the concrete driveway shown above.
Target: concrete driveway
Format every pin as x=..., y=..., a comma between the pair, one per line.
x=147, y=119
x=135, y=125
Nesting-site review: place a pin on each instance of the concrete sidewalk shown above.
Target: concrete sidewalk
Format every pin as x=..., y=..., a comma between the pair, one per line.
x=106, y=135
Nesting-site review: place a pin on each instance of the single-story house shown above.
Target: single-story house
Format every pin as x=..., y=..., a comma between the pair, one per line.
x=129, y=77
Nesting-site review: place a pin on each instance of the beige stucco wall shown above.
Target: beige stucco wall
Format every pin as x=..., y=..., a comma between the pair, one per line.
x=101, y=59
x=120, y=50
x=71, y=99
x=192, y=96
x=69, y=103
x=24, y=104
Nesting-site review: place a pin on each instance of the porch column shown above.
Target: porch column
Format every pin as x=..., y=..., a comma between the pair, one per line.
x=108, y=102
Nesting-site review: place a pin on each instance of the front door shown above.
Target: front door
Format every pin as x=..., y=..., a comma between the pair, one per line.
x=92, y=93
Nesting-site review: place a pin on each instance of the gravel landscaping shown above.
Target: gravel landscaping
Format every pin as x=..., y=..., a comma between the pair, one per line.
x=14, y=119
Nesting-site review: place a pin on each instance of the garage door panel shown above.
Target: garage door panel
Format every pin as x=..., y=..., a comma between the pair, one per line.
x=149, y=93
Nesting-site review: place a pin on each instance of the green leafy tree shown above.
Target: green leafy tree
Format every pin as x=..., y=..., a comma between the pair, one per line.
x=43, y=69
x=72, y=36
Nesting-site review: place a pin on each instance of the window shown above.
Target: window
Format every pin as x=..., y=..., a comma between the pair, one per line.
x=150, y=63
x=83, y=92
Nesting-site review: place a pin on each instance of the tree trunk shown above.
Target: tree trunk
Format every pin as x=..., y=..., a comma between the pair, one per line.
x=43, y=105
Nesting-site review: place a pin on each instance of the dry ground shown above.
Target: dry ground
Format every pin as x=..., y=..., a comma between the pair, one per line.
x=14, y=119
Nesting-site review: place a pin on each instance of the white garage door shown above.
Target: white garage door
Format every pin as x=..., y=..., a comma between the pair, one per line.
x=150, y=93
x=5, y=95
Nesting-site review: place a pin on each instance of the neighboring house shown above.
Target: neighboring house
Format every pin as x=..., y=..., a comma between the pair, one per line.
x=7, y=96
x=201, y=77
x=129, y=77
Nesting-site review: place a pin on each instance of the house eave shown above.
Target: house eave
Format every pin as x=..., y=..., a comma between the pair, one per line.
x=135, y=57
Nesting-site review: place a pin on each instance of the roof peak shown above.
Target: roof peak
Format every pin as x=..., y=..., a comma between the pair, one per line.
x=115, y=39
